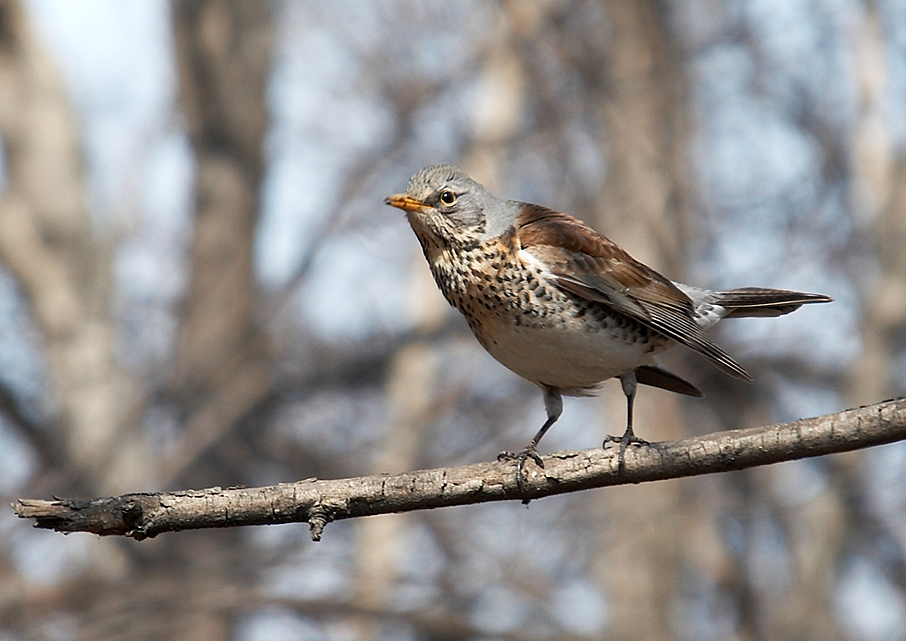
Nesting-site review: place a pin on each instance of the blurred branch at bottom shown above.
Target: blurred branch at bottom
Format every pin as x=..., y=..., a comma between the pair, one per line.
x=319, y=502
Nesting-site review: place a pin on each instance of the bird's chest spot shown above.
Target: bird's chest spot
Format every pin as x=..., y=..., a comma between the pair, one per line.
x=505, y=299
x=493, y=289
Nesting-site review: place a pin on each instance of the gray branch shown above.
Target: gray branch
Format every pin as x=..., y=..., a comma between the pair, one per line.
x=318, y=502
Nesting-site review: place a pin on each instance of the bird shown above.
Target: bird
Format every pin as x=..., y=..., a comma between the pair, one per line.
x=563, y=306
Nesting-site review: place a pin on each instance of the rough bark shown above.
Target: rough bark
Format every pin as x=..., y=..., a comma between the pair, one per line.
x=317, y=502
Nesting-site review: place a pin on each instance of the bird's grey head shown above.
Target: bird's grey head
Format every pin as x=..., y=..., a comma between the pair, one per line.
x=445, y=201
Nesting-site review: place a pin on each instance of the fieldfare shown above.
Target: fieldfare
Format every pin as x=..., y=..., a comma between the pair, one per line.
x=561, y=305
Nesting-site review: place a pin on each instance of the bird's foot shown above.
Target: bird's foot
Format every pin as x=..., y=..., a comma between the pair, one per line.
x=625, y=441
x=528, y=453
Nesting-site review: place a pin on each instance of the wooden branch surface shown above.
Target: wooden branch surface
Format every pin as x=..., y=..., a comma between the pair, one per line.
x=317, y=502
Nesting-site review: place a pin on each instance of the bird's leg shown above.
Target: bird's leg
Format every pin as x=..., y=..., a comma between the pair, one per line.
x=553, y=403
x=629, y=384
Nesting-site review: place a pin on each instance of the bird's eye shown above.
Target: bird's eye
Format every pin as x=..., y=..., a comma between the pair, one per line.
x=447, y=197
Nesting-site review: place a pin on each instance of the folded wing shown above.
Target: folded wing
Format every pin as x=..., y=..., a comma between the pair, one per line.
x=581, y=261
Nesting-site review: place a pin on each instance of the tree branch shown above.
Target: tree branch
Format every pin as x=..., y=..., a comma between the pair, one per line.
x=318, y=502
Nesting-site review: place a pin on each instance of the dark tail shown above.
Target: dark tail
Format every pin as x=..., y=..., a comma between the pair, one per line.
x=756, y=301
x=658, y=376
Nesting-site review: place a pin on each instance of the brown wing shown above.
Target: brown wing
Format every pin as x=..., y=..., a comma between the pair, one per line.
x=591, y=266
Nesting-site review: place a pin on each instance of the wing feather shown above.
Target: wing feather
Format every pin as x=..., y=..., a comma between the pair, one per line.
x=590, y=266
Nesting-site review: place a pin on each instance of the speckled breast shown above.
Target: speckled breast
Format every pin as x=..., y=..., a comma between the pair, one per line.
x=533, y=327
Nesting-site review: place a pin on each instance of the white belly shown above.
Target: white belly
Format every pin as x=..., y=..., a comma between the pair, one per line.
x=569, y=358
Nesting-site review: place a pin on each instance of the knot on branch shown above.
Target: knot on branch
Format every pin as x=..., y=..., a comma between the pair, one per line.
x=134, y=520
x=318, y=518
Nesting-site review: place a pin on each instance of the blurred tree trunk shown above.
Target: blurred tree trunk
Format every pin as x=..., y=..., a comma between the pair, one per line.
x=223, y=362
x=879, y=199
x=48, y=243
x=643, y=96
x=379, y=555
x=645, y=100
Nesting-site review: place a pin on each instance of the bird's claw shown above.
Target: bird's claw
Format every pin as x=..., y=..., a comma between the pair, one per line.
x=625, y=441
x=528, y=453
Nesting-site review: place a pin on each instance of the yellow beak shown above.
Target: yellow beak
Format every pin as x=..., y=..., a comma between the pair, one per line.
x=404, y=202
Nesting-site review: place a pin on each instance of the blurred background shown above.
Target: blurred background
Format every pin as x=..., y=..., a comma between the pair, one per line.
x=200, y=285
